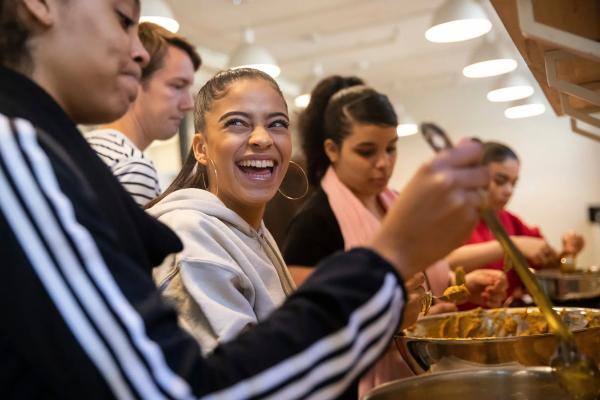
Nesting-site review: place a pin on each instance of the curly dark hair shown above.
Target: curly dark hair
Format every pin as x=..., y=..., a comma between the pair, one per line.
x=194, y=174
x=335, y=104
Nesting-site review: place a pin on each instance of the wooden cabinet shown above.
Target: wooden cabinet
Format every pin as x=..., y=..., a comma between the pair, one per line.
x=560, y=42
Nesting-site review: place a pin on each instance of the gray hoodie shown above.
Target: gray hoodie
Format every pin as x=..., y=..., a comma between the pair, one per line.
x=228, y=277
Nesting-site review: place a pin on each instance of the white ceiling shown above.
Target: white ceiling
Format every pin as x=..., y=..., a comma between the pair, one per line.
x=381, y=41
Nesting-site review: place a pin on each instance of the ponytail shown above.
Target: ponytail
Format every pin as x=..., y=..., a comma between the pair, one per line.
x=311, y=124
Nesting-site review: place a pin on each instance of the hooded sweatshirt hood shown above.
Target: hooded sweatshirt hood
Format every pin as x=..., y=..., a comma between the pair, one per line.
x=228, y=276
x=198, y=200
x=201, y=201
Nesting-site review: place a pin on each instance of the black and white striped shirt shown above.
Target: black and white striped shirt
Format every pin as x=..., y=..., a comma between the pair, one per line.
x=132, y=168
x=82, y=318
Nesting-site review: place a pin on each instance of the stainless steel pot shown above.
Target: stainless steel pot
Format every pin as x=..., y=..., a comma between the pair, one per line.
x=475, y=384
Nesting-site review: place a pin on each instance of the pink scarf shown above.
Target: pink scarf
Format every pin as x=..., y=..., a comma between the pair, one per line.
x=358, y=226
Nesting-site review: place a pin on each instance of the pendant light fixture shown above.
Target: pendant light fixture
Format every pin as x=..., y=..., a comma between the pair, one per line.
x=489, y=60
x=458, y=20
x=250, y=55
x=525, y=108
x=158, y=12
x=509, y=88
x=406, y=124
x=302, y=100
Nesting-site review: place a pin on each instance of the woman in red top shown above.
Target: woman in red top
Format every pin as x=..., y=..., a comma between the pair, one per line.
x=483, y=251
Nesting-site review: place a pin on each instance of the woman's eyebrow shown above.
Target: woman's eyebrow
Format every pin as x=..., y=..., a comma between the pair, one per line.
x=365, y=144
x=246, y=115
x=231, y=113
x=278, y=114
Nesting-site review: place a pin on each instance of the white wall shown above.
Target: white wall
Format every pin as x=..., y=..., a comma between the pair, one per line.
x=560, y=174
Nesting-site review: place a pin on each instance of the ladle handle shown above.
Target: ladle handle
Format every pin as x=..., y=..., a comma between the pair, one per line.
x=557, y=325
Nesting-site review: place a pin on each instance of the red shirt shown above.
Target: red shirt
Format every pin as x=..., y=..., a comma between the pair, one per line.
x=514, y=227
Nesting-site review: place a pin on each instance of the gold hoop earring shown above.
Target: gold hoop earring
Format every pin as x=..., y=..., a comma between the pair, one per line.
x=202, y=173
x=216, y=175
x=204, y=180
x=305, y=180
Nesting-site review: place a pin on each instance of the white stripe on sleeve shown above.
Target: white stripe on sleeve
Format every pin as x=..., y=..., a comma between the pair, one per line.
x=350, y=335
x=141, y=378
x=387, y=328
x=45, y=269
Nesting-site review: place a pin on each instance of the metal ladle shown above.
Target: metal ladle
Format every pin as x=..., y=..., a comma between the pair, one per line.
x=576, y=372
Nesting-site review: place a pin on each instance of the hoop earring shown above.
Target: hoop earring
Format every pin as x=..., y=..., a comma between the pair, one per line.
x=204, y=180
x=216, y=175
x=202, y=173
x=305, y=180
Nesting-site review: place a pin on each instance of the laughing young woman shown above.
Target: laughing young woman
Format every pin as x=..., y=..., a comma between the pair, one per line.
x=231, y=274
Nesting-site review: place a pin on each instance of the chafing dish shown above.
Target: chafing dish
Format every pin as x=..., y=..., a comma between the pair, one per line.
x=475, y=384
x=425, y=348
x=577, y=285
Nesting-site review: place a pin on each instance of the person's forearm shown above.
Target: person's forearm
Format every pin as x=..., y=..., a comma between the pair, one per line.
x=473, y=256
x=323, y=337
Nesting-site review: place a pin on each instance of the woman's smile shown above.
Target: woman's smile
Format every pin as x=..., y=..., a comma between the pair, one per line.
x=258, y=169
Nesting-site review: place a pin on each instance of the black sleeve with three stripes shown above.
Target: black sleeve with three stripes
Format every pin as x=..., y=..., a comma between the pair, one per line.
x=81, y=320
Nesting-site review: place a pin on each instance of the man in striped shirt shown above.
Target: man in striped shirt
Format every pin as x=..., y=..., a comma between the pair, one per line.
x=162, y=102
x=81, y=317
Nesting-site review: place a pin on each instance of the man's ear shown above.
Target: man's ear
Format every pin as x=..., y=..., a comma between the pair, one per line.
x=199, y=148
x=331, y=150
x=42, y=12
